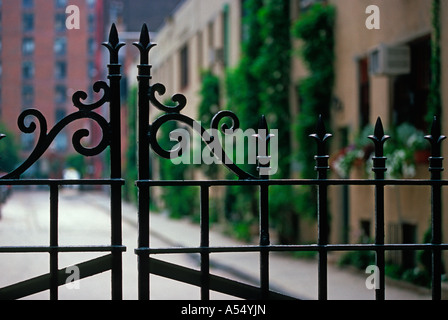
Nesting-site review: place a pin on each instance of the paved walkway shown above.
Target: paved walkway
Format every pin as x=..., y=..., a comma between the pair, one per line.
x=84, y=219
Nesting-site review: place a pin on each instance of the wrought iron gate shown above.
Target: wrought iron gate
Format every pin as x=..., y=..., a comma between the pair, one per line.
x=110, y=131
x=147, y=138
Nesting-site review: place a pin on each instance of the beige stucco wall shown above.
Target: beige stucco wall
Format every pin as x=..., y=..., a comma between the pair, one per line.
x=197, y=24
x=400, y=22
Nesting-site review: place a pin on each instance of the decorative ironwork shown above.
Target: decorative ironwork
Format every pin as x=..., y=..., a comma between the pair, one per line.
x=436, y=167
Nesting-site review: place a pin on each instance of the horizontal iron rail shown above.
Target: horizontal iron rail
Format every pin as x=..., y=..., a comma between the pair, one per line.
x=279, y=248
x=41, y=283
x=273, y=182
x=47, y=249
x=49, y=182
x=216, y=283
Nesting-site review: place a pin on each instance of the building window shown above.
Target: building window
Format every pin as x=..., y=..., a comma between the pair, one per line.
x=411, y=90
x=91, y=3
x=91, y=46
x=364, y=92
x=60, y=142
x=60, y=46
x=60, y=94
x=226, y=35
x=28, y=22
x=91, y=69
x=28, y=3
x=28, y=70
x=60, y=70
x=184, y=70
x=91, y=22
x=60, y=3
x=28, y=46
x=365, y=230
x=306, y=4
x=27, y=94
x=59, y=22
x=200, y=49
x=26, y=141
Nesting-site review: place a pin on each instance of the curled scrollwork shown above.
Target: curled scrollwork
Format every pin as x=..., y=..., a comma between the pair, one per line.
x=224, y=127
x=29, y=120
x=81, y=95
x=208, y=136
x=160, y=89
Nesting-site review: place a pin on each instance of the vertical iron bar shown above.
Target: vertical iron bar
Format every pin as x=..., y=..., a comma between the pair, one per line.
x=436, y=168
x=264, y=241
x=379, y=168
x=379, y=235
x=143, y=77
x=54, y=242
x=322, y=213
x=263, y=164
x=436, y=230
x=205, y=242
x=114, y=77
x=322, y=236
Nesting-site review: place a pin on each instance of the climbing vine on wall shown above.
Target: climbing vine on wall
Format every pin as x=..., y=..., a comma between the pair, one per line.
x=259, y=85
x=434, y=99
x=315, y=30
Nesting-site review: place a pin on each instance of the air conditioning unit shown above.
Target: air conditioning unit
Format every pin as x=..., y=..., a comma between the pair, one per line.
x=390, y=60
x=216, y=55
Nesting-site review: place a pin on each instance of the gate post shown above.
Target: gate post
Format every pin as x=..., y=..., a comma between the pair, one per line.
x=379, y=168
x=436, y=168
x=144, y=75
x=263, y=161
x=114, y=77
x=321, y=136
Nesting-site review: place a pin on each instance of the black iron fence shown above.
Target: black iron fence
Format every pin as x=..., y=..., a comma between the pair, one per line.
x=147, y=138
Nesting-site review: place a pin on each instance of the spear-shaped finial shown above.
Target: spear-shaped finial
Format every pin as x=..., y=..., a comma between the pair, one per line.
x=144, y=45
x=321, y=136
x=263, y=137
x=435, y=138
x=379, y=138
x=113, y=44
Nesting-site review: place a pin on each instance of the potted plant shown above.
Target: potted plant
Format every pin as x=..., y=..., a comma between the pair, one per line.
x=406, y=148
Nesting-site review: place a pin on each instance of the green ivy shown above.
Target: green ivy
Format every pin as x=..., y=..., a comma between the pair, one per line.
x=315, y=29
x=179, y=201
x=259, y=85
x=131, y=170
x=8, y=150
x=209, y=105
x=434, y=99
x=242, y=97
x=272, y=68
x=210, y=97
